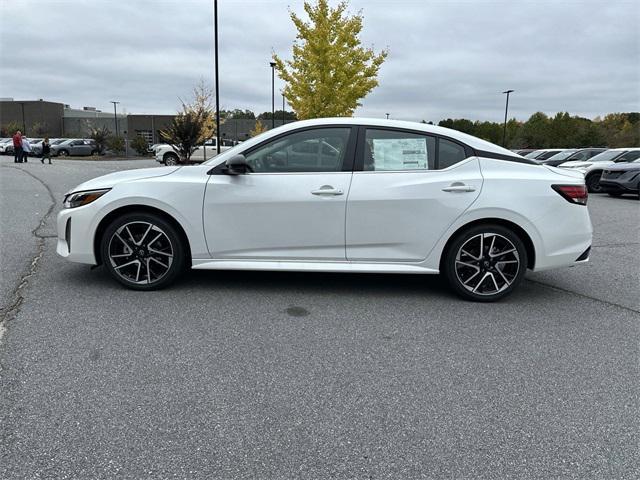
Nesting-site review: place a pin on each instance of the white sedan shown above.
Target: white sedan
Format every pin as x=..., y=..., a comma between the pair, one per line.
x=336, y=195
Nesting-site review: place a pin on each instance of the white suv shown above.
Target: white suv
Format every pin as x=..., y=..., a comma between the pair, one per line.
x=166, y=154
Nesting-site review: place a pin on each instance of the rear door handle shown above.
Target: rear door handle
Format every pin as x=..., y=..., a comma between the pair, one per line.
x=327, y=190
x=459, y=188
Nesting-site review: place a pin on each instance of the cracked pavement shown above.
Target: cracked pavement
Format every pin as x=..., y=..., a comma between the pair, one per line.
x=279, y=375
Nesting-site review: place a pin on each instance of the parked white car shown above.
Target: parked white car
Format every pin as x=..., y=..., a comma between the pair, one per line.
x=167, y=155
x=336, y=195
x=593, y=167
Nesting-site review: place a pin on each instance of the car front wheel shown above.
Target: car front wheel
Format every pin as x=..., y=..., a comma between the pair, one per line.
x=63, y=153
x=170, y=159
x=593, y=182
x=485, y=263
x=142, y=251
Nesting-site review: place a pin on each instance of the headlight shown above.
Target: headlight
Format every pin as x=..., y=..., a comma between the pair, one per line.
x=78, y=199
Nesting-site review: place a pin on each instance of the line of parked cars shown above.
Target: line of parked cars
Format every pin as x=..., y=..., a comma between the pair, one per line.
x=615, y=171
x=62, y=147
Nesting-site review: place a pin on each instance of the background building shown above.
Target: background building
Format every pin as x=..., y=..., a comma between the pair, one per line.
x=37, y=118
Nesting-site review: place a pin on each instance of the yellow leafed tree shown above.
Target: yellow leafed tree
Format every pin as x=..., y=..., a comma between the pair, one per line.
x=258, y=129
x=330, y=71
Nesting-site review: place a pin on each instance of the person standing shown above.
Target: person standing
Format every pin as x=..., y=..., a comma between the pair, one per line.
x=17, y=147
x=46, y=150
x=26, y=149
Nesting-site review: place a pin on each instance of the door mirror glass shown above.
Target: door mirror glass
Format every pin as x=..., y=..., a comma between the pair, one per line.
x=237, y=165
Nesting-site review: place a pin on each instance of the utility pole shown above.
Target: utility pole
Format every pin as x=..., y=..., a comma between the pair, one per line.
x=283, y=116
x=273, y=94
x=506, y=108
x=215, y=35
x=115, y=115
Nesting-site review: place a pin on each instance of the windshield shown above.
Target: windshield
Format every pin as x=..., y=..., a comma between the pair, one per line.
x=534, y=154
x=607, y=156
x=562, y=155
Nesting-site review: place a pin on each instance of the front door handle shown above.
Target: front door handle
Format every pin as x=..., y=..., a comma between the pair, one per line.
x=459, y=187
x=327, y=190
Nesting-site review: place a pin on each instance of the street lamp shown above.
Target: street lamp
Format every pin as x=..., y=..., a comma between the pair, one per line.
x=283, y=107
x=506, y=107
x=24, y=128
x=115, y=115
x=273, y=94
x=387, y=116
x=215, y=35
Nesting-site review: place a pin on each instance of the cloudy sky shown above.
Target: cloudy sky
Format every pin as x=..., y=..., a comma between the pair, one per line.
x=446, y=58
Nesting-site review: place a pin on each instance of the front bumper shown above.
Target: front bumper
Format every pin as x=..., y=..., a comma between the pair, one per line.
x=75, y=236
x=620, y=186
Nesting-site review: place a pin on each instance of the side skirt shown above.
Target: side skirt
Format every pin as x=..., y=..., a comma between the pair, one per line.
x=302, y=266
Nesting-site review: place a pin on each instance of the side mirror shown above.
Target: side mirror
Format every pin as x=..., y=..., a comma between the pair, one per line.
x=237, y=165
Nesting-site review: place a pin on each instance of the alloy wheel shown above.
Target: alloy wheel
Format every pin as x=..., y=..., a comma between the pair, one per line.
x=593, y=183
x=140, y=252
x=487, y=264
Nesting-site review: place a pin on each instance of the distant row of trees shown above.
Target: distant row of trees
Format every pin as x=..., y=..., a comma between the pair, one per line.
x=238, y=114
x=561, y=130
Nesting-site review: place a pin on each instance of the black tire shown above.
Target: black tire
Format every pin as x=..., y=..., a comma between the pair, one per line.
x=115, y=245
x=498, y=273
x=171, y=159
x=593, y=182
x=63, y=153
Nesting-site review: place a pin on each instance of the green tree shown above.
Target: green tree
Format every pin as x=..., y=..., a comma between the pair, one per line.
x=330, y=72
x=237, y=114
x=536, y=132
x=278, y=115
x=116, y=144
x=193, y=124
x=100, y=136
x=258, y=129
x=140, y=145
x=9, y=129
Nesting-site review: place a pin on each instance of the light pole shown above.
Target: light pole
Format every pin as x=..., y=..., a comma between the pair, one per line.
x=215, y=35
x=24, y=127
x=273, y=94
x=115, y=115
x=506, y=108
x=283, y=107
x=387, y=116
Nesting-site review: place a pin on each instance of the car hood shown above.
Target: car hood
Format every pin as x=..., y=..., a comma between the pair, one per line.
x=623, y=166
x=575, y=163
x=110, y=180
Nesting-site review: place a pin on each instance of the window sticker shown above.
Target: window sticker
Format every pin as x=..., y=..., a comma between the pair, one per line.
x=400, y=154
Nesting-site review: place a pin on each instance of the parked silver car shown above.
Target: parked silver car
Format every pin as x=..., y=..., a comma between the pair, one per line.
x=75, y=146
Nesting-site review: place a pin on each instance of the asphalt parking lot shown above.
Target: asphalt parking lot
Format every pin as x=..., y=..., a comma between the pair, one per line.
x=281, y=375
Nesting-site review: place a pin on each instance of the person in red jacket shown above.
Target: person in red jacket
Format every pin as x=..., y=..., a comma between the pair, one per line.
x=17, y=147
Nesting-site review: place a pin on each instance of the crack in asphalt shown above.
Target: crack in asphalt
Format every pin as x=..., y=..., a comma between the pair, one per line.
x=14, y=305
x=583, y=295
x=605, y=245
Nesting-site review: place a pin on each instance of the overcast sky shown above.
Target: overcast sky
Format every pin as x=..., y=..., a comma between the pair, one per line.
x=446, y=58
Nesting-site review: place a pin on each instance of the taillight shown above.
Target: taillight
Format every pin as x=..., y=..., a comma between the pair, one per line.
x=573, y=193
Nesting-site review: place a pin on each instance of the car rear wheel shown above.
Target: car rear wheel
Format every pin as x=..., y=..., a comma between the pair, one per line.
x=593, y=182
x=171, y=159
x=143, y=251
x=485, y=263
